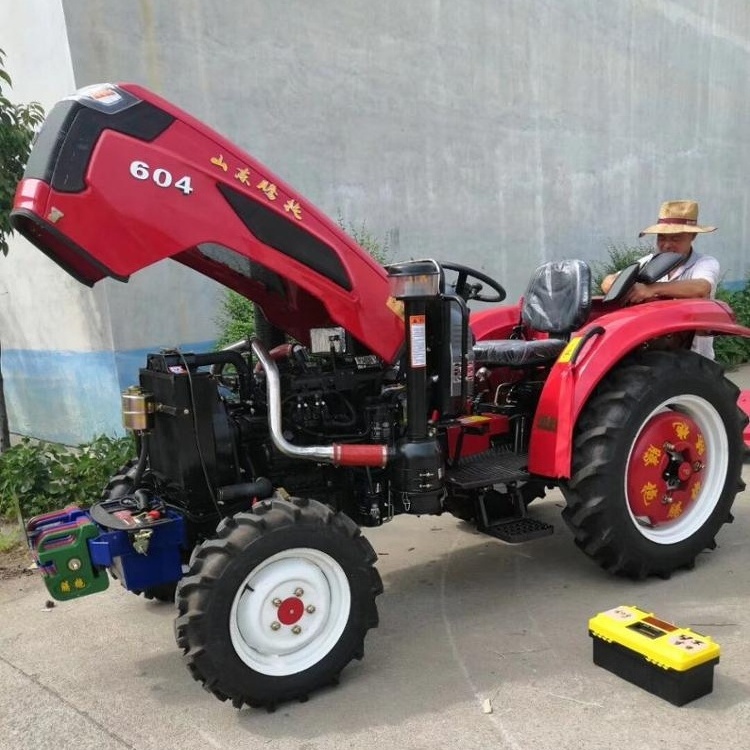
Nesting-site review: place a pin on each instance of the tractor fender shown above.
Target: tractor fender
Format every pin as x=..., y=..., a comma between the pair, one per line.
x=593, y=352
x=497, y=322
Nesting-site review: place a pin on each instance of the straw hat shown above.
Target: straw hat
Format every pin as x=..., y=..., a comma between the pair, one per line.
x=676, y=217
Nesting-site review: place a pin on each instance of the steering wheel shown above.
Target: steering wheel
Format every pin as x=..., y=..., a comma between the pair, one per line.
x=473, y=291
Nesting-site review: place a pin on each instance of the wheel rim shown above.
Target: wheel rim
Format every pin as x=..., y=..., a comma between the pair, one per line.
x=290, y=612
x=676, y=469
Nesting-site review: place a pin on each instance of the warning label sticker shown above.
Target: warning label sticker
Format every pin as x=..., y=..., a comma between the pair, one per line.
x=418, y=341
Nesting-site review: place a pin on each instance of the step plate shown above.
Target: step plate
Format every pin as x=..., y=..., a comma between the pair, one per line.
x=486, y=469
x=519, y=530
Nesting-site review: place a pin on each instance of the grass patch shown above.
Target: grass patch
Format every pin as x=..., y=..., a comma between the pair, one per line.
x=11, y=539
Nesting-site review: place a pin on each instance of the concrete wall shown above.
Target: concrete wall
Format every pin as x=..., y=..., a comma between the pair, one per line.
x=68, y=350
x=504, y=132
x=498, y=133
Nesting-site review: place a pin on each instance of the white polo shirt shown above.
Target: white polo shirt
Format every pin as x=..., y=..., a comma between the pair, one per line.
x=697, y=266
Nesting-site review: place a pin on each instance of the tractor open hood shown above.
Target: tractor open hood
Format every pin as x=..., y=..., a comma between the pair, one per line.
x=119, y=179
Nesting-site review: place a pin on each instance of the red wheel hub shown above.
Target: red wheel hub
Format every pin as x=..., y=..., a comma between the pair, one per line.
x=664, y=473
x=685, y=471
x=291, y=610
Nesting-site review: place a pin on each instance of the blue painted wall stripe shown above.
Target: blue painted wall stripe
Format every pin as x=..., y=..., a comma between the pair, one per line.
x=70, y=397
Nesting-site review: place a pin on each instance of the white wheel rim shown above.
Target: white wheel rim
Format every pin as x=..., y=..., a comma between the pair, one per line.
x=716, y=464
x=290, y=612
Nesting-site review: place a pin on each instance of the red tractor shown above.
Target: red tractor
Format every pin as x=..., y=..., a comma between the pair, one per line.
x=369, y=392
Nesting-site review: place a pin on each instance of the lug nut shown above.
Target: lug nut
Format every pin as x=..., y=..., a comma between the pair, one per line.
x=310, y=608
x=275, y=625
x=276, y=602
x=298, y=592
x=296, y=630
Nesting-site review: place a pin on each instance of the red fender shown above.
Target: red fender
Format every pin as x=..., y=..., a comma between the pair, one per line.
x=497, y=322
x=593, y=352
x=744, y=403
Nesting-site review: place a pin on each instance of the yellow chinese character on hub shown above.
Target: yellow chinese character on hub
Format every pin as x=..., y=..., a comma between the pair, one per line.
x=79, y=583
x=269, y=189
x=700, y=445
x=243, y=175
x=219, y=162
x=695, y=490
x=65, y=587
x=652, y=455
x=675, y=510
x=294, y=208
x=681, y=430
x=648, y=492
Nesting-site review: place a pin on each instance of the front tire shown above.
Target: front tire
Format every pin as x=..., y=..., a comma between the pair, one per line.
x=656, y=465
x=278, y=604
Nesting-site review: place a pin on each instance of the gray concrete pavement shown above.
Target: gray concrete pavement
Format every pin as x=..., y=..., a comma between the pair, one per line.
x=464, y=618
x=740, y=376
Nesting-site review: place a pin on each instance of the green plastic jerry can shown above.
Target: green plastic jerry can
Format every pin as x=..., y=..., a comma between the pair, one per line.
x=65, y=561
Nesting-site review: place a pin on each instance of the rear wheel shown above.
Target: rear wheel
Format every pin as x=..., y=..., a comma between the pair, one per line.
x=278, y=604
x=656, y=465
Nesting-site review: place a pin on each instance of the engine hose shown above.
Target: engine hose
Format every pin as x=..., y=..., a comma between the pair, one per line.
x=339, y=455
x=223, y=357
x=141, y=465
x=260, y=488
x=278, y=353
x=216, y=358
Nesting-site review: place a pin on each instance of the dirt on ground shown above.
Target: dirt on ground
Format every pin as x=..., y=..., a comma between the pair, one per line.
x=15, y=562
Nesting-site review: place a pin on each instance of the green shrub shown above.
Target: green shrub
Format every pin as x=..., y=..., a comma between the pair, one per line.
x=619, y=257
x=37, y=477
x=378, y=248
x=236, y=320
x=734, y=350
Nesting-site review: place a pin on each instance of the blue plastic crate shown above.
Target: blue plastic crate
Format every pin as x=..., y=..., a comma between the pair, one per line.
x=161, y=563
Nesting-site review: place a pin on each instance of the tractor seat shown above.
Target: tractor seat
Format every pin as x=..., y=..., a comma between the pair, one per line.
x=557, y=302
x=517, y=352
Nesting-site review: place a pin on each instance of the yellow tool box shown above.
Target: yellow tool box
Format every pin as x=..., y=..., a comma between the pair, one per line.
x=675, y=663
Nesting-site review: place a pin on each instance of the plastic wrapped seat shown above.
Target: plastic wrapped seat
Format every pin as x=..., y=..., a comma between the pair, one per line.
x=557, y=302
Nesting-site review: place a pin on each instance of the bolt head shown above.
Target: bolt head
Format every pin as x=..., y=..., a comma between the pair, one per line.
x=275, y=625
x=296, y=630
x=310, y=608
x=276, y=602
x=74, y=564
x=299, y=592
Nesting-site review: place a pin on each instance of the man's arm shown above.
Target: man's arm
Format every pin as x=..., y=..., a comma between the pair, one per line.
x=702, y=286
x=681, y=289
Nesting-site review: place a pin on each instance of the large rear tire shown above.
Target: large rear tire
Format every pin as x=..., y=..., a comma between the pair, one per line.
x=656, y=465
x=278, y=604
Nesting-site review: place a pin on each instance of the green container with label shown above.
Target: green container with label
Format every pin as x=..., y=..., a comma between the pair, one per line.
x=63, y=556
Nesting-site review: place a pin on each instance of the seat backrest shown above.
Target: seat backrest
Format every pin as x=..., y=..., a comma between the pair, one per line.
x=558, y=298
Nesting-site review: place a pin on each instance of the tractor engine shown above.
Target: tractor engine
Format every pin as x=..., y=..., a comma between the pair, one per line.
x=208, y=437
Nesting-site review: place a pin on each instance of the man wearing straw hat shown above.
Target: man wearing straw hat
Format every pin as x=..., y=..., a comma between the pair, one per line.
x=696, y=276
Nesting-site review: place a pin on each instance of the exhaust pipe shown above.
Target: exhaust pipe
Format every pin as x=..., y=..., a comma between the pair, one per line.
x=338, y=454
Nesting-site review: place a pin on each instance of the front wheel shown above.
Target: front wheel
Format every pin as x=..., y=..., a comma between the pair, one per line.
x=656, y=465
x=278, y=604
